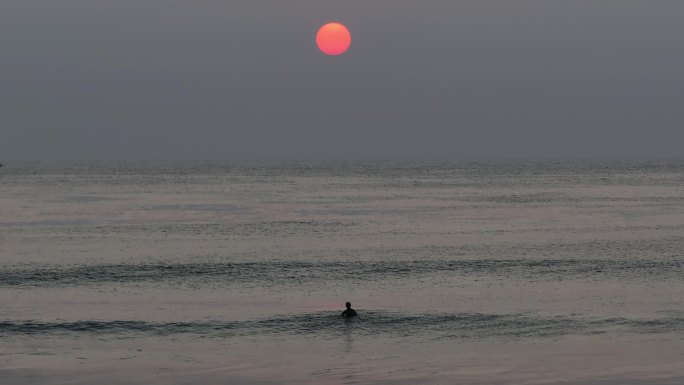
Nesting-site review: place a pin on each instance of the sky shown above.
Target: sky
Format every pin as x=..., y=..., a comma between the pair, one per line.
x=424, y=79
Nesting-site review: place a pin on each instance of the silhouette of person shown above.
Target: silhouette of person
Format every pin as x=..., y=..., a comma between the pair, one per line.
x=349, y=312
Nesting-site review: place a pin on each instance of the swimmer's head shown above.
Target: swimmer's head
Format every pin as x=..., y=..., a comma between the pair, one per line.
x=348, y=305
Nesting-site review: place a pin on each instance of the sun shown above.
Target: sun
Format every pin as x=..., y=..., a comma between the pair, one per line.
x=333, y=39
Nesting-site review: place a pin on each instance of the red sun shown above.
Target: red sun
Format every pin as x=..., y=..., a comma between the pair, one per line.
x=333, y=39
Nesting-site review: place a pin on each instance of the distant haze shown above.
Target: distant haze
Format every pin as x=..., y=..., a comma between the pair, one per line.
x=243, y=79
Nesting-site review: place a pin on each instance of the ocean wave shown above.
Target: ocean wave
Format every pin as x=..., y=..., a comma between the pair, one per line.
x=461, y=325
x=293, y=272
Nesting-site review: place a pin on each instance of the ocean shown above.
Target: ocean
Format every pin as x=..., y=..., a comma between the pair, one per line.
x=236, y=273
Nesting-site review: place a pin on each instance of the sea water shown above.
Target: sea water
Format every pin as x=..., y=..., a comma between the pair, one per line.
x=227, y=273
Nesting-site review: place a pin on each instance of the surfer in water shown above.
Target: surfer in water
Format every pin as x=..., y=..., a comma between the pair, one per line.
x=349, y=312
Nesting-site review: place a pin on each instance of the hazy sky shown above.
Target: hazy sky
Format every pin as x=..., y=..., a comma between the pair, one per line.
x=243, y=79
